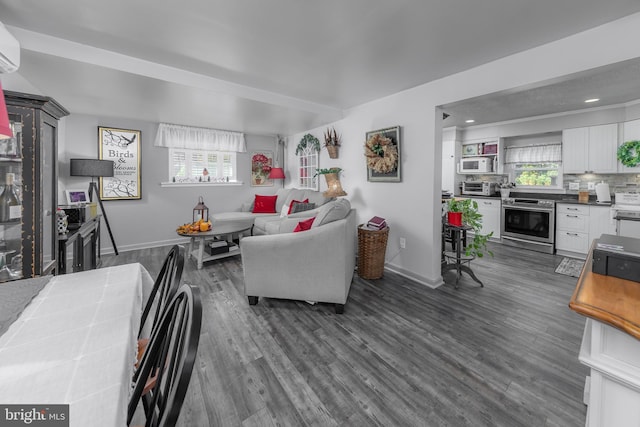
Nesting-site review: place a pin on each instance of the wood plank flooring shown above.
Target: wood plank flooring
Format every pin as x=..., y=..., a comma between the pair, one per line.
x=400, y=355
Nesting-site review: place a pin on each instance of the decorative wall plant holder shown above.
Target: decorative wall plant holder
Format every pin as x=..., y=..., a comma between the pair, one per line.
x=332, y=142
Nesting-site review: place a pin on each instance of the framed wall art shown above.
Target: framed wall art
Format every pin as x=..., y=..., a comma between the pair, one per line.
x=261, y=164
x=122, y=146
x=76, y=197
x=382, y=154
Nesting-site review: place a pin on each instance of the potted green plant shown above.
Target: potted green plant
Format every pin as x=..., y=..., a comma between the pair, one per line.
x=328, y=171
x=505, y=189
x=467, y=210
x=308, y=143
x=332, y=142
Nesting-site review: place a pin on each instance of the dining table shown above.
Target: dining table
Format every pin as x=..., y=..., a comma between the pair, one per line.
x=73, y=343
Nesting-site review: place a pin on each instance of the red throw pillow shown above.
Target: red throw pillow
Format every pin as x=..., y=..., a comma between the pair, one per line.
x=304, y=225
x=293, y=202
x=264, y=204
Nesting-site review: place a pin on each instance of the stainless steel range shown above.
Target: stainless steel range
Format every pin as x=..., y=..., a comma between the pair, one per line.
x=529, y=224
x=626, y=212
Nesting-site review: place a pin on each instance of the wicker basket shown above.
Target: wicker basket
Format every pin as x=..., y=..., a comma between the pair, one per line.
x=372, y=245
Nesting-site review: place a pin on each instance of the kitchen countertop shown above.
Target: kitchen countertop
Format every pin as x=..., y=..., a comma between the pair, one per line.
x=607, y=299
x=558, y=198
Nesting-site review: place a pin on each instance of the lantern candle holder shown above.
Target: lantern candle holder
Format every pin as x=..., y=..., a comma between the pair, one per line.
x=201, y=211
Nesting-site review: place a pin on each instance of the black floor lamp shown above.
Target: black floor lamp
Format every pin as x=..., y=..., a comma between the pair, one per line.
x=95, y=168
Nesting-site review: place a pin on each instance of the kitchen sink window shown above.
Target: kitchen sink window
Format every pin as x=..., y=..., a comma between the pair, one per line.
x=537, y=174
x=535, y=166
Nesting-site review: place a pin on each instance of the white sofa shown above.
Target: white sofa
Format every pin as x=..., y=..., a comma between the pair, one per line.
x=314, y=265
x=245, y=218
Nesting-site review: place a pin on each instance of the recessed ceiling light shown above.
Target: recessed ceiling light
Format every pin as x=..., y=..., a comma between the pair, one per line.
x=592, y=100
x=470, y=121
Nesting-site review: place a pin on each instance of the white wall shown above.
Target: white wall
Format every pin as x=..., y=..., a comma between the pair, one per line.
x=412, y=207
x=152, y=220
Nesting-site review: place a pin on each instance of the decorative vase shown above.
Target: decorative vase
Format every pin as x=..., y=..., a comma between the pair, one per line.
x=333, y=151
x=62, y=221
x=504, y=192
x=454, y=218
x=334, y=188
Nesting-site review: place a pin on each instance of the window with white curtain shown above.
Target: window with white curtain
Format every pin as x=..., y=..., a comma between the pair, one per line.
x=535, y=166
x=200, y=154
x=202, y=166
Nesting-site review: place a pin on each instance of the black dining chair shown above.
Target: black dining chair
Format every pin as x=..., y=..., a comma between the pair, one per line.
x=162, y=379
x=164, y=287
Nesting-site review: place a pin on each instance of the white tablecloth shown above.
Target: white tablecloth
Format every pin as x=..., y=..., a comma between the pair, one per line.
x=76, y=344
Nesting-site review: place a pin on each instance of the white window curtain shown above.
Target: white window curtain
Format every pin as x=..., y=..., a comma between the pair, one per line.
x=544, y=153
x=193, y=138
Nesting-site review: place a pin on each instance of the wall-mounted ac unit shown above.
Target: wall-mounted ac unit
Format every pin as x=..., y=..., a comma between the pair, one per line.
x=9, y=51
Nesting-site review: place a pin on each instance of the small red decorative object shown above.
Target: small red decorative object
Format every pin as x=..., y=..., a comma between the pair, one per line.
x=264, y=204
x=304, y=225
x=454, y=218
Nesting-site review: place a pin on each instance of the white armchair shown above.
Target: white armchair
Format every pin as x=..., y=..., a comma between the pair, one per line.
x=313, y=265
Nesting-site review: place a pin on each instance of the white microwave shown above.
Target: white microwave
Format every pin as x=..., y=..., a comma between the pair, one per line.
x=475, y=165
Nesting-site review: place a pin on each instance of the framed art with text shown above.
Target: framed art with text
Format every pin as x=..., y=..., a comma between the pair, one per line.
x=122, y=146
x=382, y=154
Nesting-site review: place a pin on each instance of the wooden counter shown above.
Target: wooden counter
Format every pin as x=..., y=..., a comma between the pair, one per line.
x=610, y=300
x=610, y=346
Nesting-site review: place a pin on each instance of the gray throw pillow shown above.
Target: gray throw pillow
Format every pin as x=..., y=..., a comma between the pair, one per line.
x=332, y=211
x=301, y=207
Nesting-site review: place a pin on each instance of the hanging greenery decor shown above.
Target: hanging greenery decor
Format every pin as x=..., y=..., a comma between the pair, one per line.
x=629, y=153
x=381, y=154
x=308, y=142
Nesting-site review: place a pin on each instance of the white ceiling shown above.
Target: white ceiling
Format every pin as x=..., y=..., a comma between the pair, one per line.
x=267, y=67
x=614, y=84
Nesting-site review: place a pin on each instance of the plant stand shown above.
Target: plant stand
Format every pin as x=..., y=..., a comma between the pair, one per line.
x=372, y=245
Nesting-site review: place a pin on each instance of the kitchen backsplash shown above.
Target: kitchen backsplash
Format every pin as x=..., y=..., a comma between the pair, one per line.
x=617, y=182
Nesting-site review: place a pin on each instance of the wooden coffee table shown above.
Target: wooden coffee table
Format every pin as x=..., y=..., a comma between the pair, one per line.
x=226, y=230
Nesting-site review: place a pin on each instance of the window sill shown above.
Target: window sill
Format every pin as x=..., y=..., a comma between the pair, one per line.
x=201, y=184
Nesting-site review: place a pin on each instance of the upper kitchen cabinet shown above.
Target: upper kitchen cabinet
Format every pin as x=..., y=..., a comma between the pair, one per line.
x=590, y=149
x=630, y=132
x=29, y=175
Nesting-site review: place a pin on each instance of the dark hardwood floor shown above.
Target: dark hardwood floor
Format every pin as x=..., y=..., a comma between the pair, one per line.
x=400, y=355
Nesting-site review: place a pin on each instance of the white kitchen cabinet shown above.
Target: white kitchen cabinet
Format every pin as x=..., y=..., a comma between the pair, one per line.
x=600, y=222
x=590, y=149
x=449, y=165
x=630, y=132
x=574, y=151
x=572, y=229
x=612, y=389
x=490, y=209
x=578, y=225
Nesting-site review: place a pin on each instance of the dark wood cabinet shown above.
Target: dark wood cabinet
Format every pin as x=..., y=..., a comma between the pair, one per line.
x=79, y=250
x=30, y=158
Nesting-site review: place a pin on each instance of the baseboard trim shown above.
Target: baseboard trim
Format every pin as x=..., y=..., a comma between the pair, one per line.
x=108, y=250
x=432, y=284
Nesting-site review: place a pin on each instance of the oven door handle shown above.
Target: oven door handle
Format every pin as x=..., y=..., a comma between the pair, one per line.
x=523, y=208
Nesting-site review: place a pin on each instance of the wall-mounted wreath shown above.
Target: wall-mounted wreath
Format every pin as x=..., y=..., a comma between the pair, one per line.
x=629, y=153
x=381, y=154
